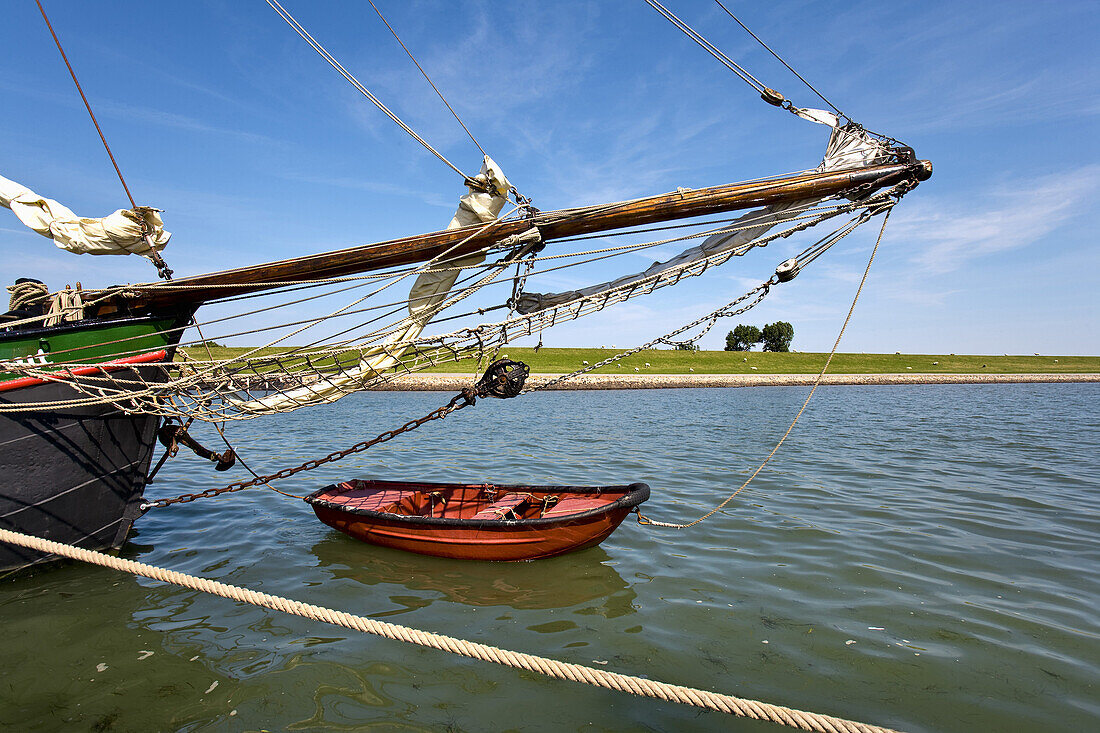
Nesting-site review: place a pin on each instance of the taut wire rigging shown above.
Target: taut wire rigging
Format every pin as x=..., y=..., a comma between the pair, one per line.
x=294, y=24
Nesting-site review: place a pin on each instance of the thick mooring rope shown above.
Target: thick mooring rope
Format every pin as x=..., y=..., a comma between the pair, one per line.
x=549, y=667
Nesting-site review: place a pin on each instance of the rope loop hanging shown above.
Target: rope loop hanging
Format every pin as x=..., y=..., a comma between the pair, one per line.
x=642, y=519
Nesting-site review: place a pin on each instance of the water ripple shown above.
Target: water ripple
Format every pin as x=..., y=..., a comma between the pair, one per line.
x=920, y=557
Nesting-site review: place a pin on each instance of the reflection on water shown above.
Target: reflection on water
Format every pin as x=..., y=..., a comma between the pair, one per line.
x=553, y=583
x=926, y=558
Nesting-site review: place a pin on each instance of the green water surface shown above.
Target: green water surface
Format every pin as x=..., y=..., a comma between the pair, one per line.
x=920, y=557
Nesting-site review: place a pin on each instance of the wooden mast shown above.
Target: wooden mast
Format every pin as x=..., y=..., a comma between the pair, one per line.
x=552, y=225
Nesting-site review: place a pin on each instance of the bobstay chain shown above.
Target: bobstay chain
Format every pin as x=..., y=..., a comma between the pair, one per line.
x=504, y=378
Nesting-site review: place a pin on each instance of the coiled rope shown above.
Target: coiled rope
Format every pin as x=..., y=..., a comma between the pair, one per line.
x=26, y=293
x=517, y=660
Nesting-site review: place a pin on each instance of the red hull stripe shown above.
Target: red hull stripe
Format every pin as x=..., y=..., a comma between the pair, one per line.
x=108, y=366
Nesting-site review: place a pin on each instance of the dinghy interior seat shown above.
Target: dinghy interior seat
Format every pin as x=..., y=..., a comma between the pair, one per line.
x=508, y=504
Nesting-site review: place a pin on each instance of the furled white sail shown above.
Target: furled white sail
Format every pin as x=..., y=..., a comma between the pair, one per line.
x=431, y=288
x=849, y=147
x=119, y=233
x=428, y=292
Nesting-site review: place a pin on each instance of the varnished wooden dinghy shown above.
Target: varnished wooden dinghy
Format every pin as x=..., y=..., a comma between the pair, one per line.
x=476, y=521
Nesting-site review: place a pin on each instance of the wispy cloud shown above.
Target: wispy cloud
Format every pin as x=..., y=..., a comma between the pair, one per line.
x=1044, y=97
x=534, y=56
x=840, y=273
x=358, y=184
x=986, y=68
x=27, y=232
x=953, y=232
x=181, y=122
x=130, y=112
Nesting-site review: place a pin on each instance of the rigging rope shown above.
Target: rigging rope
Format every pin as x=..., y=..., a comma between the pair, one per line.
x=760, y=291
x=286, y=16
x=781, y=60
x=812, y=215
x=87, y=105
x=503, y=379
x=709, y=47
x=769, y=95
x=157, y=259
x=640, y=686
x=428, y=78
x=817, y=382
x=211, y=390
x=25, y=293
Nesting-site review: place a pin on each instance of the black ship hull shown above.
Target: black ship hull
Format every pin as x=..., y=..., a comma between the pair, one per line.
x=73, y=475
x=77, y=473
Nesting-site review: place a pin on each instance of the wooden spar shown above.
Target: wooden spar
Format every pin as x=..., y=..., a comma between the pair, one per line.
x=552, y=225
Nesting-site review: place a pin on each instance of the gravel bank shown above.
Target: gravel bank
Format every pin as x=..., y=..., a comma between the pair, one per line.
x=454, y=382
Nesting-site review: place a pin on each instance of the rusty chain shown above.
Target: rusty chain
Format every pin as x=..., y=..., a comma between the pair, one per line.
x=760, y=291
x=503, y=378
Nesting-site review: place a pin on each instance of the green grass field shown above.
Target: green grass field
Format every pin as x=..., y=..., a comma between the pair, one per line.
x=552, y=361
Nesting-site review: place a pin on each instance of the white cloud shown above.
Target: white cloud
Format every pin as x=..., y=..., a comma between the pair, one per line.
x=379, y=187
x=744, y=283
x=840, y=273
x=131, y=112
x=951, y=232
x=126, y=111
x=29, y=232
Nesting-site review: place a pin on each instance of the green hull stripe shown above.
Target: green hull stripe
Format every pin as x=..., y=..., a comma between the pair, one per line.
x=89, y=345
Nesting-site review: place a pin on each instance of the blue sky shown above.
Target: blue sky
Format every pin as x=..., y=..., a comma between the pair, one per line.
x=257, y=150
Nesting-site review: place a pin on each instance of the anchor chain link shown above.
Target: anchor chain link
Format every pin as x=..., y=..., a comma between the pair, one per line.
x=760, y=292
x=502, y=379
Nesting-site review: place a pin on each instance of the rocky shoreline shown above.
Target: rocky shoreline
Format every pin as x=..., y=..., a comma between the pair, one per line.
x=454, y=382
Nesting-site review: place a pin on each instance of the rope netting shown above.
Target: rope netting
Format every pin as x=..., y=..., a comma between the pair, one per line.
x=376, y=335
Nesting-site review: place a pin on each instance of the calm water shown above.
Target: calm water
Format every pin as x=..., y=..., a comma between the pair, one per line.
x=926, y=558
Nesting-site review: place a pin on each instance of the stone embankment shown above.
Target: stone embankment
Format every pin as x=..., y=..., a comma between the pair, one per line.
x=454, y=382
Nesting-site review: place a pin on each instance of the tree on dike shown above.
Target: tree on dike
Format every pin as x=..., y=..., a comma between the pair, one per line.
x=742, y=338
x=778, y=336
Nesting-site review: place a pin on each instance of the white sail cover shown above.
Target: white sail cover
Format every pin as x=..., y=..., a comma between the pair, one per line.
x=428, y=292
x=849, y=147
x=117, y=234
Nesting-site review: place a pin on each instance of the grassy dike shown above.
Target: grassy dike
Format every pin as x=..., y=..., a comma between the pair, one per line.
x=559, y=361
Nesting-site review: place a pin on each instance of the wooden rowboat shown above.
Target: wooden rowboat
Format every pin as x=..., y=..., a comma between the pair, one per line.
x=476, y=521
